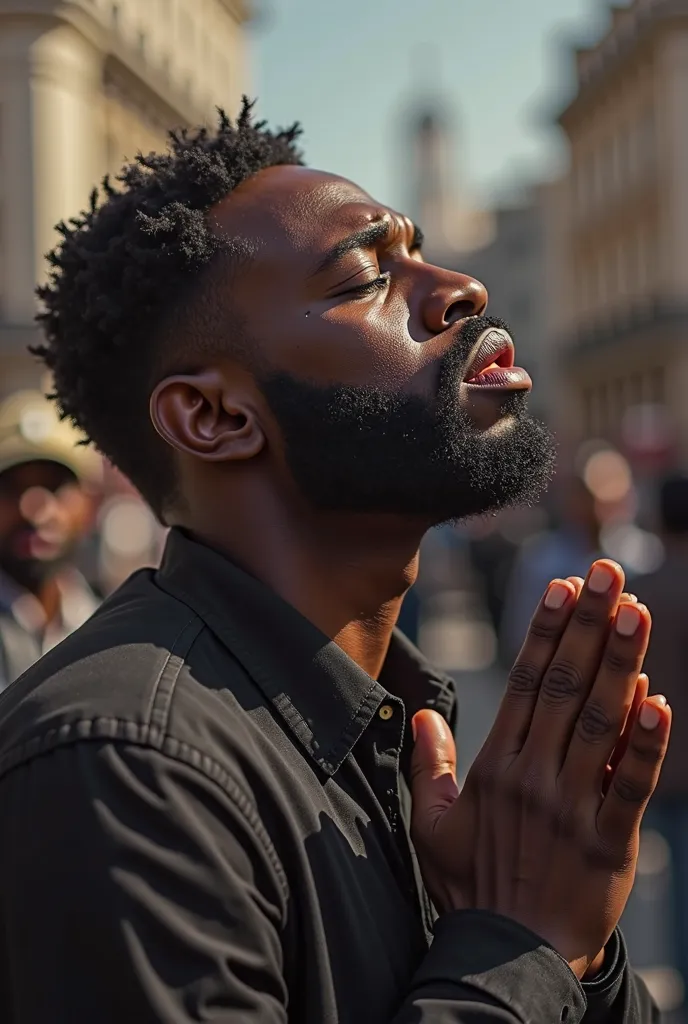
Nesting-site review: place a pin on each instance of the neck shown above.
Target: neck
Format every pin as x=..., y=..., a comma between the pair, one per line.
x=347, y=574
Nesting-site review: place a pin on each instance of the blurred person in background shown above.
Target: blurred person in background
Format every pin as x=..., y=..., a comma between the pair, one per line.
x=597, y=511
x=565, y=550
x=46, y=509
x=665, y=591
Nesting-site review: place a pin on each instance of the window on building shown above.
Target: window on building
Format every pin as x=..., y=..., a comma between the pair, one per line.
x=636, y=388
x=603, y=410
x=657, y=385
x=589, y=411
x=642, y=259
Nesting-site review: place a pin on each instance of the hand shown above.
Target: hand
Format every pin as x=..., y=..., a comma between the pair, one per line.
x=546, y=828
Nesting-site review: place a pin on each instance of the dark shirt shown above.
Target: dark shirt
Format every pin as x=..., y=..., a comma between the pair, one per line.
x=204, y=817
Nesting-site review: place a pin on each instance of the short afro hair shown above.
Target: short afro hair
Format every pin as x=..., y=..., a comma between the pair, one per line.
x=128, y=268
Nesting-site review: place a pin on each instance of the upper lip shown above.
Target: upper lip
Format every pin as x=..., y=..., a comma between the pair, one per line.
x=495, y=347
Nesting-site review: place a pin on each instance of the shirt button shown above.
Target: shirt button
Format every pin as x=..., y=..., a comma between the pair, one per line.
x=386, y=712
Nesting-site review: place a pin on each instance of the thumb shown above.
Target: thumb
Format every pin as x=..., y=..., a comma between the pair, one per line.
x=433, y=767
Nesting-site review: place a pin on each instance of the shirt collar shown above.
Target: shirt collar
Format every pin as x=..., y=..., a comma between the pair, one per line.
x=325, y=699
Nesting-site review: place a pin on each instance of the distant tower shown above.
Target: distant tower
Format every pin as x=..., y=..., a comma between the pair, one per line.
x=435, y=194
x=433, y=182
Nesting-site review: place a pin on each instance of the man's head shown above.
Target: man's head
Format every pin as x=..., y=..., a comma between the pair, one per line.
x=44, y=507
x=274, y=323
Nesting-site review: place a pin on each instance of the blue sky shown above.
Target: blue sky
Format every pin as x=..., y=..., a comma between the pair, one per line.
x=345, y=68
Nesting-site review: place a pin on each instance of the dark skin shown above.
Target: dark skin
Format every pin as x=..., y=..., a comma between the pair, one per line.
x=347, y=574
x=43, y=512
x=558, y=792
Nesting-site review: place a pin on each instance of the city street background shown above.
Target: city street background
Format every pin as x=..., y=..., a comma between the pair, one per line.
x=542, y=147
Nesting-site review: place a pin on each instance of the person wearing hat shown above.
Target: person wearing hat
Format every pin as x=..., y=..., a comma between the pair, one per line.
x=47, y=486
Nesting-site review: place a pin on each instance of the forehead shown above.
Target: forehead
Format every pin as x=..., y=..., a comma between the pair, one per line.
x=295, y=208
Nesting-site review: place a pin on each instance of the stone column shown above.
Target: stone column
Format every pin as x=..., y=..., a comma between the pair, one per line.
x=51, y=143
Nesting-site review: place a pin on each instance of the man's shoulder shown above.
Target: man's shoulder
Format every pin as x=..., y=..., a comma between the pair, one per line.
x=121, y=676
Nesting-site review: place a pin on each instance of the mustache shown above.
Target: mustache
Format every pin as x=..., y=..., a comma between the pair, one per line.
x=455, y=358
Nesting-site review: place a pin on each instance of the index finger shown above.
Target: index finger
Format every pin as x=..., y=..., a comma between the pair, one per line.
x=518, y=703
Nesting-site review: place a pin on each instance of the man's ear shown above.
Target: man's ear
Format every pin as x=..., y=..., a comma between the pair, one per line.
x=203, y=415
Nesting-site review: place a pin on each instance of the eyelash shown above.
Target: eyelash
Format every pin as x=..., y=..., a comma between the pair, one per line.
x=369, y=287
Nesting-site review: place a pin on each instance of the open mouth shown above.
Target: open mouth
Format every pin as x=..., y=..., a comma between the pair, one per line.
x=492, y=363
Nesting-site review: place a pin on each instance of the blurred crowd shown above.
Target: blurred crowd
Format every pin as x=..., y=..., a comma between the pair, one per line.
x=71, y=530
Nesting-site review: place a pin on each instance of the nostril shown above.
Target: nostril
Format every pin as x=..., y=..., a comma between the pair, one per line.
x=460, y=310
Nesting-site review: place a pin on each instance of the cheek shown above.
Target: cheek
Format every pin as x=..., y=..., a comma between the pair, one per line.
x=357, y=343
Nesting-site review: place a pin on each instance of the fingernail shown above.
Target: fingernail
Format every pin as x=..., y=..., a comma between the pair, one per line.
x=413, y=729
x=556, y=596
x=627, y=620
x=649, y=716
x=601, y=579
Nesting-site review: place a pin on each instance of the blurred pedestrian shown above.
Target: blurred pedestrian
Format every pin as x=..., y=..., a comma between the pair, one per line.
x=45, y=510
x=665, y=591
x=565, y=550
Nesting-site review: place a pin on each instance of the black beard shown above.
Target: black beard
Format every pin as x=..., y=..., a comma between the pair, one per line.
x=30, y=573
x=363, y=449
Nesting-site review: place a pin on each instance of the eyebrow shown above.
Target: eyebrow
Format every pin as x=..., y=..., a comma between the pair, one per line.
x=377, y=231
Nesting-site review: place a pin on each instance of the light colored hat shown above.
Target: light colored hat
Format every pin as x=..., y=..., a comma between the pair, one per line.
x=31, y=430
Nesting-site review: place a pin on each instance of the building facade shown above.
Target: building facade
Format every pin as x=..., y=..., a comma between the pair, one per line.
x=511, y=266
x=85, y=85
x=617, y=230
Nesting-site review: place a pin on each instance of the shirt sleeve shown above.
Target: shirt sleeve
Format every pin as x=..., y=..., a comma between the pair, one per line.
x=618, y=995
x=138, y=887
x=135, y=888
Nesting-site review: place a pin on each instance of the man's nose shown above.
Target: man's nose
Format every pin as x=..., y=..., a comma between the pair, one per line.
x=454, y=298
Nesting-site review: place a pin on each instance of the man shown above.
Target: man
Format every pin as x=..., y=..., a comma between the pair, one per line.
x=204, y=794
x=667, y=659
x=45, y=510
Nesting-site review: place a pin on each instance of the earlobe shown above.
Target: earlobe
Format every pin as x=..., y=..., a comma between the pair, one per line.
x=198, y=415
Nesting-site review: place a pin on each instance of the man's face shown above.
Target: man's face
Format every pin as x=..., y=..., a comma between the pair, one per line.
x=43, y=511
x=367, y=357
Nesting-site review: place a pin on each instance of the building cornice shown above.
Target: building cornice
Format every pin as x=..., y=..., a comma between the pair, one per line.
x=657, y=319
x=632, y=30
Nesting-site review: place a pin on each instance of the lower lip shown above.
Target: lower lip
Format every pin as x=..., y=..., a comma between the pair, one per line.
x=502, y=378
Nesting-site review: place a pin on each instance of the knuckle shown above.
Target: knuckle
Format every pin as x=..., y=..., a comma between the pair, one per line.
x=524, y=678
x=594, y=724
x=630, y=790
x=546, y=631
x=646, y=753
x=563, y=683
x=590, y=616
x=620, y=662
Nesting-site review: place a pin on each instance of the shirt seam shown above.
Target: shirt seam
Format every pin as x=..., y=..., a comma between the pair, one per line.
x=151, y=731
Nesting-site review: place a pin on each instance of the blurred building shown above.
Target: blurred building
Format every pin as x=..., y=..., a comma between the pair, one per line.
x=502, y=247
x=84, y=85
x=435, y=197
x=617, y=229
x=512, y=267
